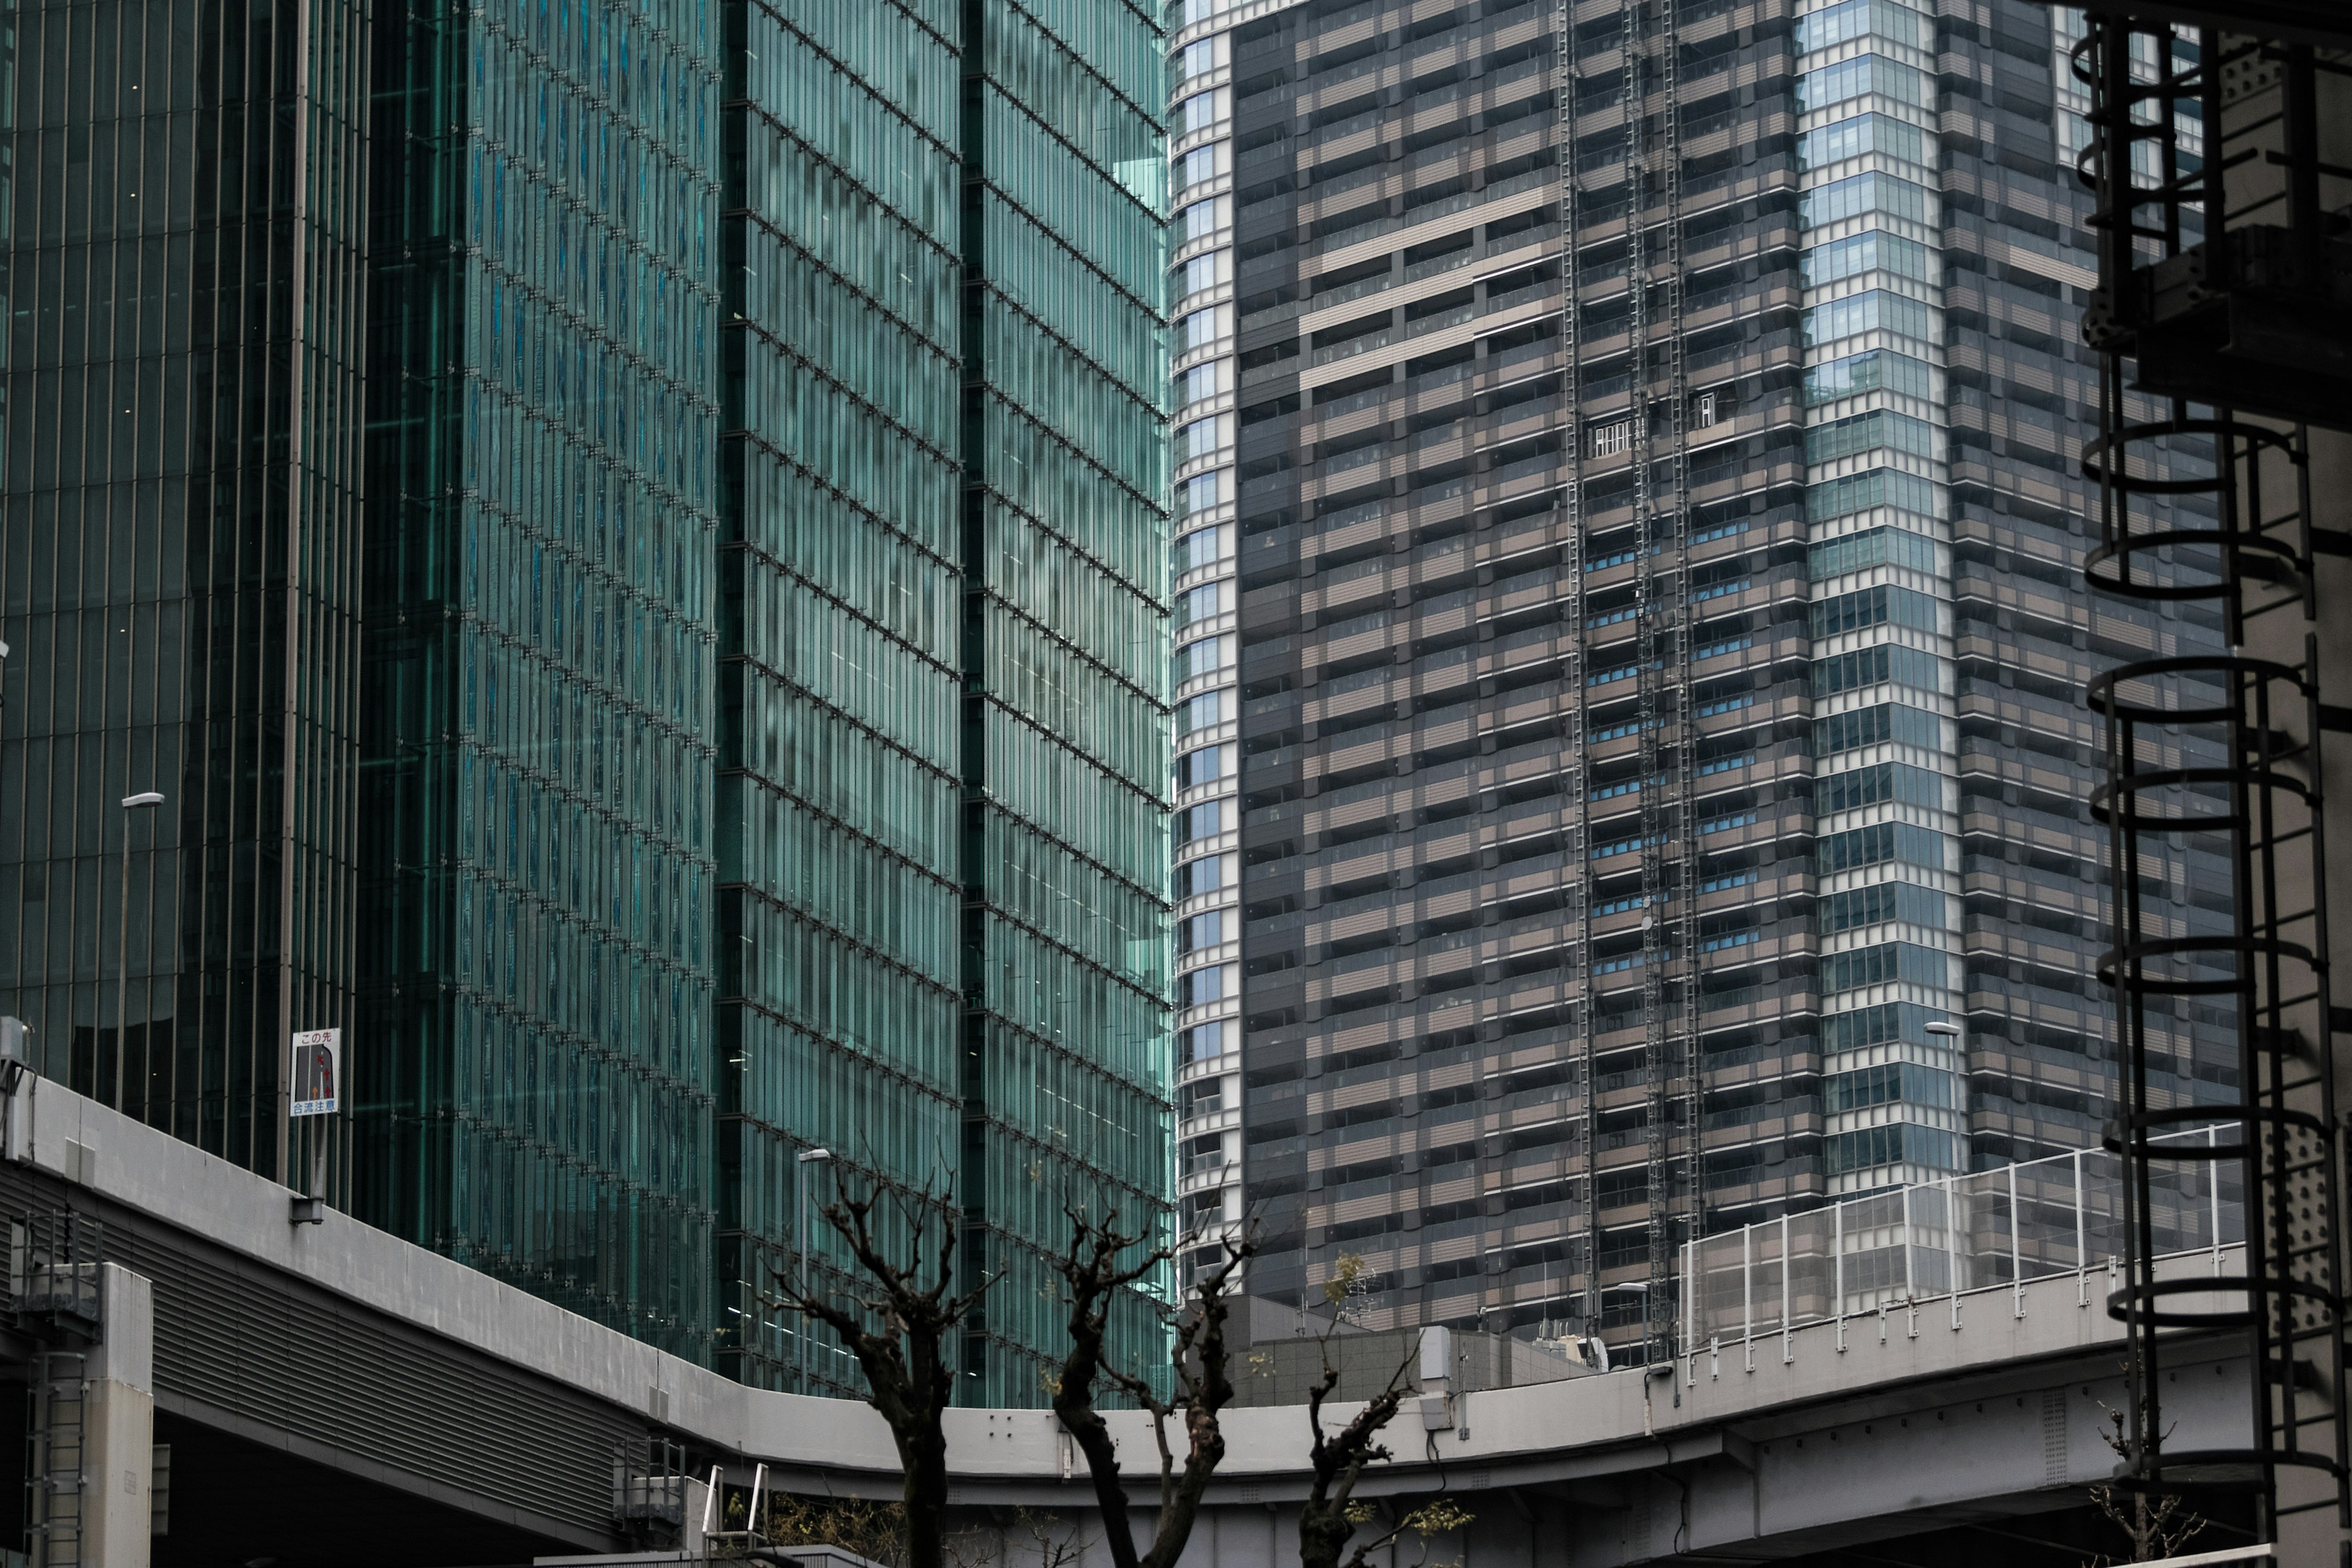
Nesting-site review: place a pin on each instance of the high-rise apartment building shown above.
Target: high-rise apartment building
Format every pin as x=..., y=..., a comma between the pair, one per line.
x=179, y=534
x=943, y=834
x=1635, y=447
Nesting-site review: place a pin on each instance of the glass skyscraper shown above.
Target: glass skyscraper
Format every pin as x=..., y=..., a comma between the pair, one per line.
x=181, y=188
x=743, y=427
x=942, y=682
x=538, y=826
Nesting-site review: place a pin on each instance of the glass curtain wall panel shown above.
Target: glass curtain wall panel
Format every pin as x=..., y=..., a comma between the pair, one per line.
x=1066, y=764
x=841, y=596
x=945, y=760
x=1878, y=556
x=538, y=845
x=183, y=191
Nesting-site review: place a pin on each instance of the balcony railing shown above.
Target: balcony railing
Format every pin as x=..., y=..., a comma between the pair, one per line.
x=2043, y=1218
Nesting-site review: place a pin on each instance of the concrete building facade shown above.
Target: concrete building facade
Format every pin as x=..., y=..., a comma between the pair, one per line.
x=1662, y=767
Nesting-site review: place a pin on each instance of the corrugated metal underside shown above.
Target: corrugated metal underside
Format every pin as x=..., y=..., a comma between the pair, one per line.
x=284, y=1363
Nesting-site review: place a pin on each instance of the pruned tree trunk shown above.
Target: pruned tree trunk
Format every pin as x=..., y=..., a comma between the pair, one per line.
x=1094, y=1271
x=1340, y=1460
x=905, y=1353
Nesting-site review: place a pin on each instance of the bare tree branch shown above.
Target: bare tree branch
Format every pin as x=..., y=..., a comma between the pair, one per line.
x=902, y=1338
x=1094, y=1274
x=1330, y=1517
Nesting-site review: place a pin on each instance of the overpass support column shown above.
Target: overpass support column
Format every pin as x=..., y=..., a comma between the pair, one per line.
x=118, y=1463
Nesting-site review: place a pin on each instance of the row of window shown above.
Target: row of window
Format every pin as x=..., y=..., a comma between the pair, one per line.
x=1883, y=965
x=809, y=311
x=907, y=911
x=1114, y=623
x=1122, y=530
x=1878, y=487
x=1866, y=432
x=1882, y=605
x=574, y=743
x=850, y=665
x=506, y=946
x=1872, y=371
x=841, y=767
x=1897, y=1142
x=1881, y=842
x=1075, y=904
x=853, y=127
x=904, y=261
x=1108, y=820
x=1076, y=1002
x=895, y=57
x=1871, y=665
x=1117, y=727
x=1878, y=904
x=867, y=563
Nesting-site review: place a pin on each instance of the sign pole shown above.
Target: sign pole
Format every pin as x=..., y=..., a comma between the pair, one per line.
x=313, y=1092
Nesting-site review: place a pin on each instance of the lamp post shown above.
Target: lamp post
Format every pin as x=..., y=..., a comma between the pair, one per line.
x=801, y=1163
x=144, y=801
x=1945, y=1029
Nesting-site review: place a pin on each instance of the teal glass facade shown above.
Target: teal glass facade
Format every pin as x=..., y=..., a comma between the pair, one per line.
x=944, y=762
x=180, y=265
x=538, y=831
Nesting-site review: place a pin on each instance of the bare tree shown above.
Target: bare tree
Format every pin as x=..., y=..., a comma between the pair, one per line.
x=2158, y=1526
x=1103, y=1260
x=910, y=1374
x=1340, y=1458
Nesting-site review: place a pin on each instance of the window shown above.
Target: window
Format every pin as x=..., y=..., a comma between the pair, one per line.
x=1201, y=220
x=1203, y=164
x=1871, y=193
x=1857, y=78
x=1204, y=766
x=1872, y=250
x=1204, y=603
x=1702, y=410
x=1203, y=382
x=1205, y=272
x=1204, y=110
x=1205, y=711
x=1202, y=437
x=1208, y=55
x=1204, y=492
x=1205, y=875
x=1205, y=656
x=1200, y=822
x=1205, y=547
x=1202, y=986
x=1201, y=930
x=1203, y=328
x=1205, y=1041
x=1611, y=439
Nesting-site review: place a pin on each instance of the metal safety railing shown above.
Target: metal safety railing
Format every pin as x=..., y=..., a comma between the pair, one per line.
x=2038, y=1220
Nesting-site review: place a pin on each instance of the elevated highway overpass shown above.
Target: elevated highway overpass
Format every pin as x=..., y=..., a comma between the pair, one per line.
x=332, y=1394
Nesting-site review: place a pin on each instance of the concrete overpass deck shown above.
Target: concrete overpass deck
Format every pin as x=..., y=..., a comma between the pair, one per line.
x=335, y=1394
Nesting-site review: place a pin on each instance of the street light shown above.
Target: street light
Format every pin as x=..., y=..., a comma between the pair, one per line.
x=799, y=1236
x=130, y=802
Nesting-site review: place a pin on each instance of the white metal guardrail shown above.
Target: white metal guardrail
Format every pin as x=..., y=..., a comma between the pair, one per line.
x=2037, y=1220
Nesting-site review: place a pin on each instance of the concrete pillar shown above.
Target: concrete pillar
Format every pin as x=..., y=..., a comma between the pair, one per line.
x=118, y=1471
